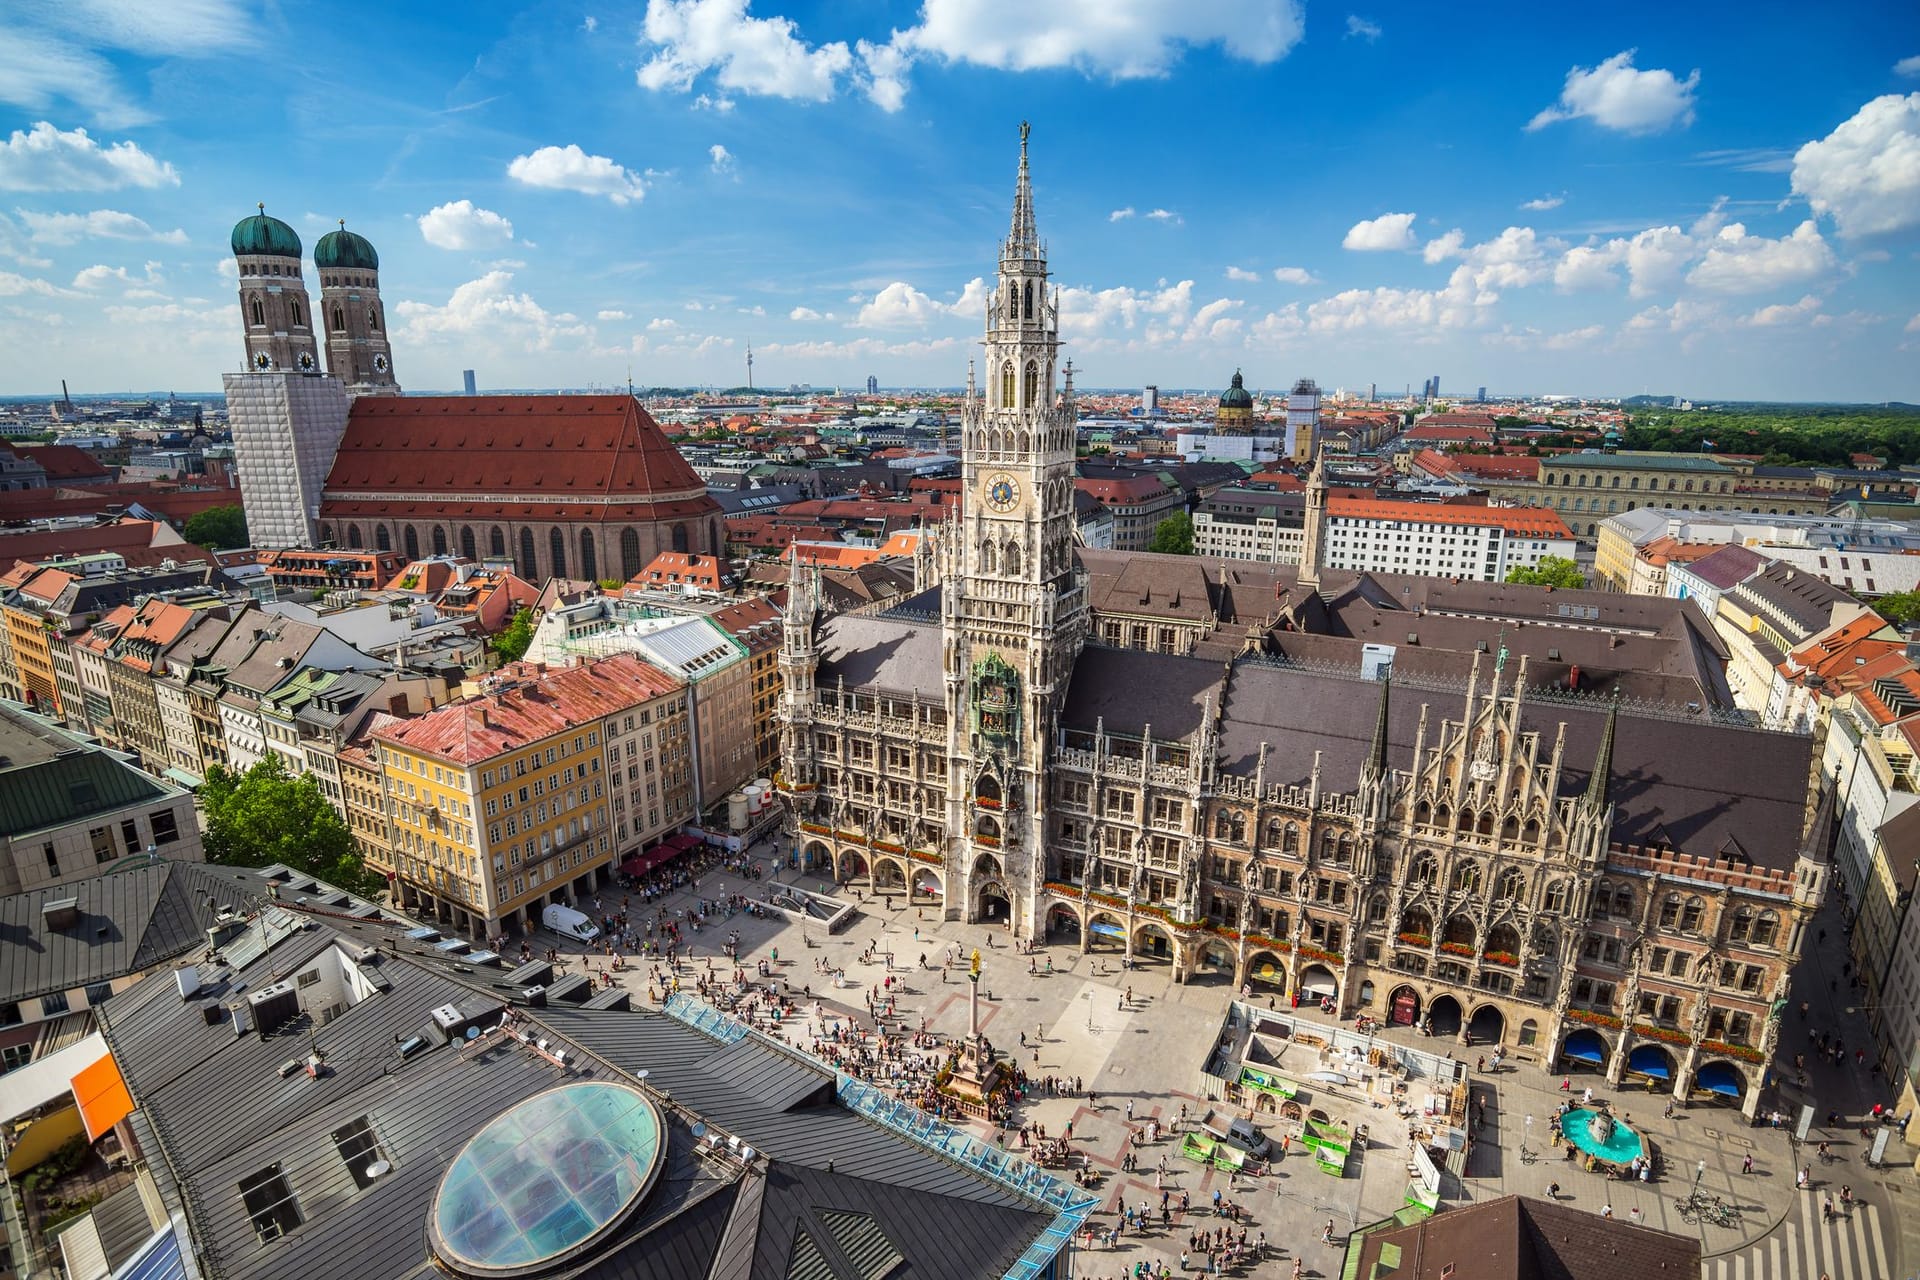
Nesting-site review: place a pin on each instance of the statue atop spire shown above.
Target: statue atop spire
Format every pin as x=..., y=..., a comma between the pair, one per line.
x=1023, y=241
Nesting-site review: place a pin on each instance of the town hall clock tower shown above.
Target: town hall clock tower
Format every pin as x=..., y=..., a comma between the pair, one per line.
x=1014, y=607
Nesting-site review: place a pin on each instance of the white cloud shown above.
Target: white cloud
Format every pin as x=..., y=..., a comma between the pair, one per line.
x=972, y=302
x=1736, y=262
x=1120, y=215
x=95, y=278
x=461, y=224
x=1589, y=266
x=883, y=73
x=707, y=102
x=1242, y=274
x=762, y=56
x=1098, y=37
x=1278, y=326
x=1454, y=307
x=1785, y=313
x=1386, y=232
x=721, y=159
x=755, y=310
x=1655, y=258
x=1294, y=275
x=1451, y=245
x=1532, y=339
x=805, y=313
x=1684, y=314
x=610, y=314
x=227, y=269
x=1544, y=203
x=569, y=168
x=1747, y=159
x=1913, y=325
x=49, y=159
x=1359, y=26
x=1866, y=173
x=662, y=325
x=590, y=24
x=14, y=286
x=1166, y=215
x=1514, y=259
x=898, y=306
x=1158, y=313
x=100, y=224
x=1615, y=95
x=489, y=309
x=1908, y=66
x=53, y=51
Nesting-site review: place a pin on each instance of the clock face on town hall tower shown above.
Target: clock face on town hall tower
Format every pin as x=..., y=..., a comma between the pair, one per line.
x=1002, y=492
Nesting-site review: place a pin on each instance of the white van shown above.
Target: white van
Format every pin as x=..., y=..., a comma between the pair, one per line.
x=569, y=923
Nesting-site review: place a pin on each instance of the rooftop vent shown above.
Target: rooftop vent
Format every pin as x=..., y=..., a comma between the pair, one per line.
x=60, y=913
x=187, y=980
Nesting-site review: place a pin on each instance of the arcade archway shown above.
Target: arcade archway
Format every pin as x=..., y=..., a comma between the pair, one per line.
x=1443, y=1016
x=1487, y=1025
x=1403, y=1007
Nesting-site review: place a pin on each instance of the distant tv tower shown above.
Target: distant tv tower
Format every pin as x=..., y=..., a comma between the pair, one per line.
x=749, y=366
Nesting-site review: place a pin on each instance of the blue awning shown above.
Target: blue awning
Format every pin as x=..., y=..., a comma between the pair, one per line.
x=1651, y=1060
x=1106, y=930
x=1585, y=1046
x=1719, y=1077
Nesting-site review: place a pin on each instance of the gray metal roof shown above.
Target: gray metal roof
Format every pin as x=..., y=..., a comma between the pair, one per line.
x=869, y=652
x=128, y=921
x=1705, y=787
x=218, y=1103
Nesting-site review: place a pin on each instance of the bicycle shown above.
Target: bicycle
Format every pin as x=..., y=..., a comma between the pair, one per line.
x=1528, y=1155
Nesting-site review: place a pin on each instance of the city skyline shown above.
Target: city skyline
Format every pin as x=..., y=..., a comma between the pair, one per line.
x=566, y=195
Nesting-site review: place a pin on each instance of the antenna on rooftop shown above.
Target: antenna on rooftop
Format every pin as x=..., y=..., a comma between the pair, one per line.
x=749, y=366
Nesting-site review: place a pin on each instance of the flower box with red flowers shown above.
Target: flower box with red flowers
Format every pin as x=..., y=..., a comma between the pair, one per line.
x=1456, y=948
x=1504, y=958
x=1745, y=1052
x=1417, y=939
x=1670, y=1035
x=1592, y=1018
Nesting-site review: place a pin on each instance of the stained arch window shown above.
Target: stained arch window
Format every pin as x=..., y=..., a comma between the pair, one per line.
x=1006, y=385
x=629, y=552
x=527, y=569
x=557, y=549
x=381, y=540
x=1032, y=389
x=496, y=542
x=412, y=538
x=469, y=546
x=589, y=559
x=679, y=537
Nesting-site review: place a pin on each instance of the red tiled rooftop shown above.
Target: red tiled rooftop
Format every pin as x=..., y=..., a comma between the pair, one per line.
x=529, y=456
x=531, y=705
x=1536, y=521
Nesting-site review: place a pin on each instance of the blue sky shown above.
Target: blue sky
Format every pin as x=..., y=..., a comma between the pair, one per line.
x=1718, y=200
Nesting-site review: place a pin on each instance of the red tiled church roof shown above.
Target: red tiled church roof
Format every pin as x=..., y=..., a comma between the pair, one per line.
x=521, y=457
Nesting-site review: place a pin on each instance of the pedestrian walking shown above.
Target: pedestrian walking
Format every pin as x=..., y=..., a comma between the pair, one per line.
x=1606, y=1211
x=1553, y=1191
x=1566, y=1084
x=1746, y=1165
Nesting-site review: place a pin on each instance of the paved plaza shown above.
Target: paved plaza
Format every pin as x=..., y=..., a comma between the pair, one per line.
x=1141, y=1060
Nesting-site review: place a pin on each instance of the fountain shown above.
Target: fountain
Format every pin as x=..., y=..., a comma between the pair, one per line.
x=1601, y=1135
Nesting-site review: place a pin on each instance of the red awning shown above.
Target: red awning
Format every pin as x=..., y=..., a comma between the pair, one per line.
x=641, y=863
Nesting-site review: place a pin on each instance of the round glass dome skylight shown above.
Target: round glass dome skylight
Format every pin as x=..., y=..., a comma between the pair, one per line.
x=547, y=1179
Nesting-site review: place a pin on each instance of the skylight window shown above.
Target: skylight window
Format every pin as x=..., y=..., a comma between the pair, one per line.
x=270, y=1205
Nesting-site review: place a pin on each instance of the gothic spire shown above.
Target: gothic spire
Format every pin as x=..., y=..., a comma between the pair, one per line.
x=1377, y=751
x=1023, y=241
x=1596, y=795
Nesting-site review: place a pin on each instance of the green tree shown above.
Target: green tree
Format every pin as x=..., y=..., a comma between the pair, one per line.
x=218, y=528
x=1902, y=608
x=1173, y=536
x=266, y=815
x=515, y=638
x=1552, y=571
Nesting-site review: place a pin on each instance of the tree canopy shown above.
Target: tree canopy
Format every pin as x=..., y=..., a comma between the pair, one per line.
x=1784, y=435
x=1173, y=536
x=218, y=528
x=1902, y=608
x=266, y=815
x=516, y=637
x=1552, y=571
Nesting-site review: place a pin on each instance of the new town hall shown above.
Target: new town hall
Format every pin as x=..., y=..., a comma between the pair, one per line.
x=1523, y=817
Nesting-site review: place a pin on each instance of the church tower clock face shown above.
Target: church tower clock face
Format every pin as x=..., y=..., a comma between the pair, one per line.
x=1003, y=492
